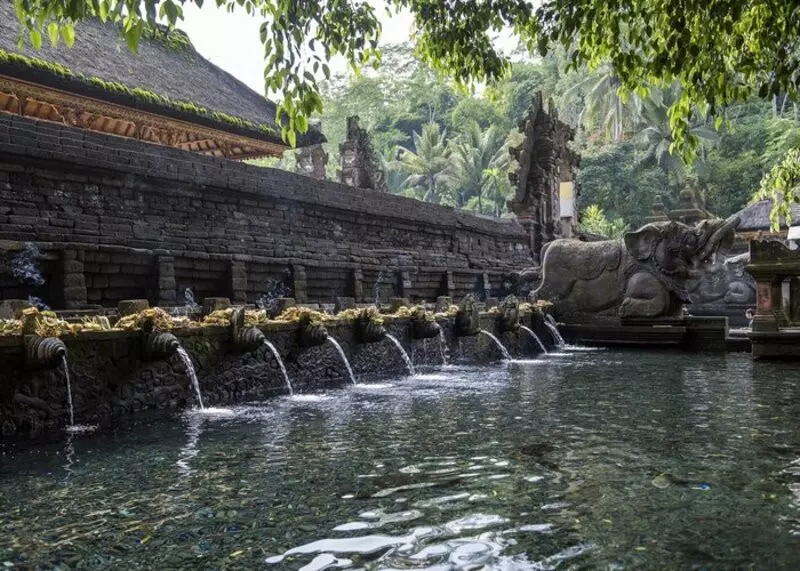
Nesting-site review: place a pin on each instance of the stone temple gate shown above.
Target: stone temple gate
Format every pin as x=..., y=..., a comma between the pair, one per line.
x=545, y=182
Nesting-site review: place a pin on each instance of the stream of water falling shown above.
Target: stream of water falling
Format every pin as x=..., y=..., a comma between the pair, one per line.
x=187, y=362
x=444, y=350
x=281, y=365
x=344, y=358
x=535, y=337
x=506, y=354
x=551, y=325
x=65, y=367
x=403, y=354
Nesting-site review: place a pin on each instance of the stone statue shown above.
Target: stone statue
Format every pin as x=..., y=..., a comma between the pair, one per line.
x=646, y=274
x=726, y=283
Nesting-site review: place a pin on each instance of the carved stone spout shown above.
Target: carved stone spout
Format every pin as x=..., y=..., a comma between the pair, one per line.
x=423, y=326
x=508, y=319
x=468, y=318
x=368, y=329
x=310, y=333
x=245, y=339
x=44, y=352
x=157, y=345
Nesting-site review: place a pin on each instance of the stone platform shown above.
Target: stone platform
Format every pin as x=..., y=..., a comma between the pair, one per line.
x=689, y=332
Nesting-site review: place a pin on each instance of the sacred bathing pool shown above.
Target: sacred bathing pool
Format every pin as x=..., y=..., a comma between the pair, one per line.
x=206, y=363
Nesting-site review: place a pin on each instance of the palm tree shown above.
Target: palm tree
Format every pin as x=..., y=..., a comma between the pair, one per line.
x=603, y=106
x=477, y=157
x=654, y=137
x=428, y=167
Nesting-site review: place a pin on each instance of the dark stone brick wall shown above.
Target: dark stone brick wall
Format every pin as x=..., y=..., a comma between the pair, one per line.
x=136, y=219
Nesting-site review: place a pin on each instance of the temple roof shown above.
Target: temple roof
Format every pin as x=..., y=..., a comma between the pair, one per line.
x=755, y=217
x=167, y=77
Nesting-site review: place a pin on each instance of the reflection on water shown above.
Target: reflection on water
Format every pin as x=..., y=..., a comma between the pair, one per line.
x=592, y=458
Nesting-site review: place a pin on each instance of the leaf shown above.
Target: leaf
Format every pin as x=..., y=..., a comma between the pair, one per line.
x=68, y=33
x=52, y=31
x=36, y=38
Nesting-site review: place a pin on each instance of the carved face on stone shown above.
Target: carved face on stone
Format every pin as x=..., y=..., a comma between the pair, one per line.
x=678, y=252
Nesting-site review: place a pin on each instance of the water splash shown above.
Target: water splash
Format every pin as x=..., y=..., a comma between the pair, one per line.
x=187, y=362
x=551, y=325
x=65, y=368
x=403, y=354
x=378, y=283
x=344, y=358
x=25, y=265
x=444, y=350
x=188, y=299
x=506, y=354
x=38, y=303
x=535, y=337
x=273, y=290
x=281, y=365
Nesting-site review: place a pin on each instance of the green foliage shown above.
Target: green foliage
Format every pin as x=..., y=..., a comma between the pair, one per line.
x=718, y=51
x=782, y=184
x=611, y=178
x=428, y=167
x=594, y=221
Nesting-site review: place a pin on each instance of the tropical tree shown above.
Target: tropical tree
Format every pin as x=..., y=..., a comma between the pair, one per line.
x=428, y=167
x=473, y=153
x=603, y=104
x=594, y=221
x=654, y=137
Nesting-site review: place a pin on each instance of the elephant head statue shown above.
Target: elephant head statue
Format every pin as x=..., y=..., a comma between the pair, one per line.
x=646, y=274
x=679, y=254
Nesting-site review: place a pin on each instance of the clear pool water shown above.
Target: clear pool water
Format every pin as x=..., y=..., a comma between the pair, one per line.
x=581, y=459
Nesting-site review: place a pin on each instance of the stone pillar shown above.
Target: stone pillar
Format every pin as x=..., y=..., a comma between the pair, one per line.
x=487, y=285
x=167, y=286
x=405, y=283
x=238, y=271
x=299, y=286
x=358, y=159
x=769, y=314
x=74, y=280
x=358, y=285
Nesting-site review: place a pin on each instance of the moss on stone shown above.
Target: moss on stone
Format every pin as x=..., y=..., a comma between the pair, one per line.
x=136, y=92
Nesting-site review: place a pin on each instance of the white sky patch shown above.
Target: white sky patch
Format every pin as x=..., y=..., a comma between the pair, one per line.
x=231, y=40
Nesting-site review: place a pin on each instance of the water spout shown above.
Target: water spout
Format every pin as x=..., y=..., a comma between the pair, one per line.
x=535, y=337
x=280, y=364
x=551, y=325
x=344, y=358
x=187, y=362
x=403, y=354
x=444, y=350
x=506, y=354
x=65, y=367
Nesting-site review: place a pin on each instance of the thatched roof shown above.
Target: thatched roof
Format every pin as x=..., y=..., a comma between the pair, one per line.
x=167, y=77
x=755, y=217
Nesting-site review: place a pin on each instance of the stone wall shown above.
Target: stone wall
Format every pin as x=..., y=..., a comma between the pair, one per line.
x=111, y=381
x=117, y=218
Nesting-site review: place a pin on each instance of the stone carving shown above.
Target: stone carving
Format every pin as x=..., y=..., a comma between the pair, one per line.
x=646, y=274
x=468, y=318
x=545, y=161
x=358, y=159
x=508, y=319
x=726, y=282
x=312, y=160
x=423, y=325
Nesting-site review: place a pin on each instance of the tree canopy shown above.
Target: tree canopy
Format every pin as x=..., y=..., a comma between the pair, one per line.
x=718, y=51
